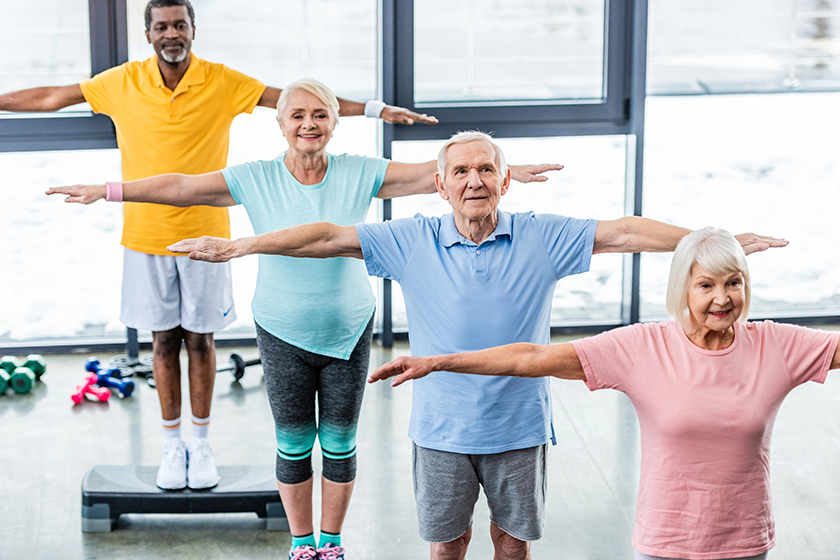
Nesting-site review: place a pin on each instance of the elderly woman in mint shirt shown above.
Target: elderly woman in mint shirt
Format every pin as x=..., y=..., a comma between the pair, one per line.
x=706, y=388
x=313, y=316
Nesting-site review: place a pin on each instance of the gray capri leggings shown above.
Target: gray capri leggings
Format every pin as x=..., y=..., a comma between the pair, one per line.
x=293, y=379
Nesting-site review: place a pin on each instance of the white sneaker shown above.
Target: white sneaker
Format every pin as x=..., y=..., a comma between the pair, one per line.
x=172, y=474
x=201, y=468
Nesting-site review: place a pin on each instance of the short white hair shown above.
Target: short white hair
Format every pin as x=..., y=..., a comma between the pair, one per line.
x=716, y=251
x=316, y=88
x=471, y=136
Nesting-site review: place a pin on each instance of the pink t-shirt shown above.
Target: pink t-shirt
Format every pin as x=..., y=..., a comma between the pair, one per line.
x=706, y=419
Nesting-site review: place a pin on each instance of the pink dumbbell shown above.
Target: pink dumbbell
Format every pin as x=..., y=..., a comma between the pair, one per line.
x=89, y=386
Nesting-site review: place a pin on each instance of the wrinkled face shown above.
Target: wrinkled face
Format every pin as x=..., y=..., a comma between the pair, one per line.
x=307, y=123
x=715, y=301
x=473, y=184
x=171, y=33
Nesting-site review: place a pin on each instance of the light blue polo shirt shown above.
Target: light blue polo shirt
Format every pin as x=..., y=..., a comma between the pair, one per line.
x=319, y=305
x=461, y=297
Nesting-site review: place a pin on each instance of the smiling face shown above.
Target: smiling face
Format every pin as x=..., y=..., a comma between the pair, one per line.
x=171, y=33
x=306, y=123
x=473, y=184
x=715, y=301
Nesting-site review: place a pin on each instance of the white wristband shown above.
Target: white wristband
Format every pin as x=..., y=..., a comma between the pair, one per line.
x=373, y=108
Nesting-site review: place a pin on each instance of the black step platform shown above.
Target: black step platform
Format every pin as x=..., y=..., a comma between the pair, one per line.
x=110, y=491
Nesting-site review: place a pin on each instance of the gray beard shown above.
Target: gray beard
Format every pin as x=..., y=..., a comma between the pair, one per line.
x=174, y=59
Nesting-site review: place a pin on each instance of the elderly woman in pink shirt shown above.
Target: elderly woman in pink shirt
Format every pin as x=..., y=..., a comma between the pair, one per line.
x=706, y=388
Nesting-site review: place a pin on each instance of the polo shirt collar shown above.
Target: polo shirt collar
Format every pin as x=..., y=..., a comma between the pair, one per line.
x=449, y=234
x=192, y=77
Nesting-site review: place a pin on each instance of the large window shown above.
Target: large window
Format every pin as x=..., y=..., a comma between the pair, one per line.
x=476, y=54
x=747, y=162
x=44, y=44
x=763, y=163
x=61, y=263
x=752, y=45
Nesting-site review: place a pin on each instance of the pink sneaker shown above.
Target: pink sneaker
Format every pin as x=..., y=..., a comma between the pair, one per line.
x=331, y=552
x=303, y=552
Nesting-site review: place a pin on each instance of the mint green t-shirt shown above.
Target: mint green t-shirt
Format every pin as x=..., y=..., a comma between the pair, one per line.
x=319, y=305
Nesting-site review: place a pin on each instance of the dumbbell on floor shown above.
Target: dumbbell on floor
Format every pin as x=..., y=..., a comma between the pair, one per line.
x=236, y=365
x=22, y=377
x=110, y=377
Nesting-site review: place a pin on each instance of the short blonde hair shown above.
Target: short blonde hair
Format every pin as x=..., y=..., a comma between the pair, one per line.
x=316, y=88
x=717, y=251
x=471, y=136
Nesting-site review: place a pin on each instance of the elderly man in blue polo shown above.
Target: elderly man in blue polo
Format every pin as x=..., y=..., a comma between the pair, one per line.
x=473, y=279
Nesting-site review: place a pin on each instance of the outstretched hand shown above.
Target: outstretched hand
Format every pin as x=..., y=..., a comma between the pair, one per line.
x=753, y=243
x=405, y=368
x=399, y=115
x=532, y=173
x=80, y=194
x=210, y=249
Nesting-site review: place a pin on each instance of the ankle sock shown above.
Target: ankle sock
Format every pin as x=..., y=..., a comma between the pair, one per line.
x=171, y=428
x=305, y=539
x=331, y=538
x=200, y=426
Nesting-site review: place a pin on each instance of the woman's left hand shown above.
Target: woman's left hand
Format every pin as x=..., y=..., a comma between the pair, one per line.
x=532, y=173
x=398, y=115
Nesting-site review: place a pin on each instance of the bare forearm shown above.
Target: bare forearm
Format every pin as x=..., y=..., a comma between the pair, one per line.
x=42, y=99
x=633, y=234
x=519, y=360
x=319, y=240
x=347, y=108
x=173, y=189
x=512, y=359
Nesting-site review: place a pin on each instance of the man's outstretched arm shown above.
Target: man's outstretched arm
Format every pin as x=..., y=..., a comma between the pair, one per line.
x=42, y=99
x=347, y=108
x=633, y=234
x=320, y=240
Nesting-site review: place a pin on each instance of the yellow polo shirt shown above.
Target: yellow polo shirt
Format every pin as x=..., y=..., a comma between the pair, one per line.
x=161, y=131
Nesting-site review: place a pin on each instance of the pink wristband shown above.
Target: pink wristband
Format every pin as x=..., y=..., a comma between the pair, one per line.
x=114, y=191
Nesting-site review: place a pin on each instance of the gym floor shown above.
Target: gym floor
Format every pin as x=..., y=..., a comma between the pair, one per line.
x=47, y=445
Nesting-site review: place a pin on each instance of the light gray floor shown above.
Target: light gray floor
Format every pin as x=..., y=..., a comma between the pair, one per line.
x=47, y=445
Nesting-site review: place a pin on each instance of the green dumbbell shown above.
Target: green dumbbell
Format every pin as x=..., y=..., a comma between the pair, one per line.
x=22, y=380
x=4, y=381
x=9, y=364
x=36, y=363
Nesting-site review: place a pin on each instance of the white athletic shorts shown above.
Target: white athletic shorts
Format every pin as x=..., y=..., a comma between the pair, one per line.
x=161, y=292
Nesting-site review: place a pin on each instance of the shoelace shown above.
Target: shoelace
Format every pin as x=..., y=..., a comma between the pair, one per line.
x=201, y=455
x=172, y=453
x=304, y=552
x=331, y=552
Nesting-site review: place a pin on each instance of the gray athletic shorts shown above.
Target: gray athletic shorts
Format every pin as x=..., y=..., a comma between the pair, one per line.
x=640, y=556
x=446, y=490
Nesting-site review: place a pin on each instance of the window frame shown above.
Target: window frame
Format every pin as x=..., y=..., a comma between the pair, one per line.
x=620, y=113
x=82, y=131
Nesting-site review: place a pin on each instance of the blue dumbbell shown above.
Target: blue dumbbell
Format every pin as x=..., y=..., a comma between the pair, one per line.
x=110, y=378
x=107, y=379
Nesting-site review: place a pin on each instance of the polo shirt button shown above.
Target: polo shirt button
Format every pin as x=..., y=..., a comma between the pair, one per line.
x=478, y=252
x=172, y=100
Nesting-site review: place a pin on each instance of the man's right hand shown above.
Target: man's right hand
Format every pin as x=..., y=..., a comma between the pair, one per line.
x=210, y=249
x=80, y=194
